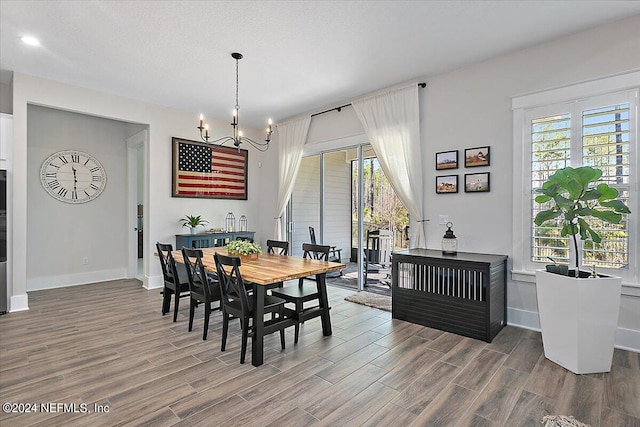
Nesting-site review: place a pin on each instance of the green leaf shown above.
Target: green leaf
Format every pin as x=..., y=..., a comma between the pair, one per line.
x=592, y=194
x=545, y=216
x=583, y=211
x=594, y=236
x=616, y=205
x=584, y=235
x=607, y=193
x=587, y=174
x=563, y=202
x=542, y=198
x=575, y=189
x=567, y=230
x=608, y=216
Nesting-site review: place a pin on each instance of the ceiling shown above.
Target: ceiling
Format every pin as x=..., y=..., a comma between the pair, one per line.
x=299, y=56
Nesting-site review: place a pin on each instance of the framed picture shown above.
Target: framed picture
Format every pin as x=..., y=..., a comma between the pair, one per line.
x=447, y=160
x=476, y=182
x=446, y=184
x=208, y=171
x=478, y=156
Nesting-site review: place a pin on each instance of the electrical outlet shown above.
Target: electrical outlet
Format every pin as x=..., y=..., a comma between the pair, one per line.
x=85, y=260
x=443, y=219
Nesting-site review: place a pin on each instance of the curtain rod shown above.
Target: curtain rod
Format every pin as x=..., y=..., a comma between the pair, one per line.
x=422, y=85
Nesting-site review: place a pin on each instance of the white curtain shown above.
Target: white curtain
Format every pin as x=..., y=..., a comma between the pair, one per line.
x=391, y=120
x=291, y=138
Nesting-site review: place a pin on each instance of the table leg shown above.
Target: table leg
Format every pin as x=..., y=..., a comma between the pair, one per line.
x=324, y=303
x=257, y=342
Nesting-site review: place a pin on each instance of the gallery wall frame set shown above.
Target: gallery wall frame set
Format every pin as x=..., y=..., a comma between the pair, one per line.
x=473, y=182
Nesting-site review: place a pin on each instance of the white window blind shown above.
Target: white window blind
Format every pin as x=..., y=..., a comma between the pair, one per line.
x=590, y=136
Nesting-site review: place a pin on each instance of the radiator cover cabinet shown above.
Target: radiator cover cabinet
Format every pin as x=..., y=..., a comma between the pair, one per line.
x=464, y=293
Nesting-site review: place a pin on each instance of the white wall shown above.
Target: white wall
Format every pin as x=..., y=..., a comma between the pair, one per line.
x=161, y=210
x=60, y=235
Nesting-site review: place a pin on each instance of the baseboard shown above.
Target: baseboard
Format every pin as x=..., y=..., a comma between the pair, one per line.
x=52, y=282
x=523, y=318
x=18, y=303
x=153, y=282
x=626, y=339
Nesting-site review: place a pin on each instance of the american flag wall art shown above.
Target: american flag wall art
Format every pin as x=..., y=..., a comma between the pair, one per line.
x=208, y=171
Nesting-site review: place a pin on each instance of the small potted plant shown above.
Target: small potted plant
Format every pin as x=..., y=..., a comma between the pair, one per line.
x=579, y=311
x=244, y=249
x=193, y=222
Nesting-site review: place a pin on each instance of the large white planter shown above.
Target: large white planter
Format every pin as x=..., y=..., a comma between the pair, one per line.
x=578, y=318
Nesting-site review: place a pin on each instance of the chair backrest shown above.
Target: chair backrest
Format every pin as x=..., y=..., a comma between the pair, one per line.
x=232, y=287
x=282, y=246
x=167, y=262
x=319, y=252
x=380, y=241
x=196, y=273
x=312, y=235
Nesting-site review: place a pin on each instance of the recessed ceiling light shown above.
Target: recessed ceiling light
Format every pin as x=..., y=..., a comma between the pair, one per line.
x=31, y=41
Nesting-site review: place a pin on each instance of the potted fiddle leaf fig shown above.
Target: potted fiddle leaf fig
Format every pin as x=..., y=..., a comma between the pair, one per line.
x=193, y=222
x=579, y=311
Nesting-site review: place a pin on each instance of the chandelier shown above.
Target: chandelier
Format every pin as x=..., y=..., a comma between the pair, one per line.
x=237, y=137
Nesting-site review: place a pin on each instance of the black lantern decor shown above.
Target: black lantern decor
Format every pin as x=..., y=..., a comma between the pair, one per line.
x=449, y=241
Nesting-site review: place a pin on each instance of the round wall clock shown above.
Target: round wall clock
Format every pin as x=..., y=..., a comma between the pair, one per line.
x=73, y=176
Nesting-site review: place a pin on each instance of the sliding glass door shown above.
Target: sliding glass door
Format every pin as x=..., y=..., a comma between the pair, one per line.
x=342, y=194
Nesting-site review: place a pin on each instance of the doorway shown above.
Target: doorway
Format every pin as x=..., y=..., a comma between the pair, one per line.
x=136, y=148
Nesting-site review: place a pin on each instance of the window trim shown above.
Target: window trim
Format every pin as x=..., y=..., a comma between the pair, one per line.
x=626, y=84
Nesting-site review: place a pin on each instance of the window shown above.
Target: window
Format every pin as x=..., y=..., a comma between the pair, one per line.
x=598, y=131
x=603, y=142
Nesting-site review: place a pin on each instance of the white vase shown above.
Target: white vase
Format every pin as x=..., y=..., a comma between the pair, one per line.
x=194, y=230
x=578, y=318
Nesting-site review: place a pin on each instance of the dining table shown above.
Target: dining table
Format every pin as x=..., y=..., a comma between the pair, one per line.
x=267, y=271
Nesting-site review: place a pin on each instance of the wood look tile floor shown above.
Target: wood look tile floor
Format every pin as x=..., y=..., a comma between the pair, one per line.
x=107, y=344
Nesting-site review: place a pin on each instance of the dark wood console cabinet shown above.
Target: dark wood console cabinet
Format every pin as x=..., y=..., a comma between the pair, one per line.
x=464, y=293
x=211, y=239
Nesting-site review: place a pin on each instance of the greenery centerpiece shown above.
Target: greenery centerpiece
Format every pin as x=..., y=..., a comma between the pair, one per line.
x=244, y=248
x=193, y=221
x=575, y=200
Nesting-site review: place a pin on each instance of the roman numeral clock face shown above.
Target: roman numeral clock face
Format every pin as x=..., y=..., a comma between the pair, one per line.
x=73, y=176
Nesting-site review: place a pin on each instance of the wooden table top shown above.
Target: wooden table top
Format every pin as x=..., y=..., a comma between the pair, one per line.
x=269, y=268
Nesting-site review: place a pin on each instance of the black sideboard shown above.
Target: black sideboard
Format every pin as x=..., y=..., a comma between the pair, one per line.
x=464, y=293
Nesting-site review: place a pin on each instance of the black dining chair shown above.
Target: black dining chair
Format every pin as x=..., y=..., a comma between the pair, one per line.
x=176, y=282
x=302, y=293
x=335, y=255
x=203, y=288
x=238, y=302
x=283, y=249
x=281, y=246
